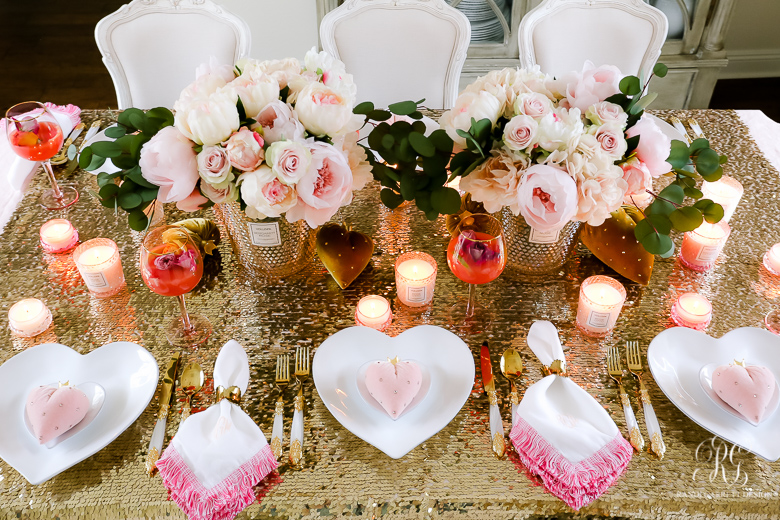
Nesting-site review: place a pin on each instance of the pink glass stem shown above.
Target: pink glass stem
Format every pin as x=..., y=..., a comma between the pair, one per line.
x=52, y=180
x=184, y=316
x=472, y=303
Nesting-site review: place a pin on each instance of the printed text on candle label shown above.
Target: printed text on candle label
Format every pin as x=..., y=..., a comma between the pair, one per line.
x=415, y=294
x=543, y=237
x=265, y=234
x=95, y=280
x=708, y=253
x=598, y=320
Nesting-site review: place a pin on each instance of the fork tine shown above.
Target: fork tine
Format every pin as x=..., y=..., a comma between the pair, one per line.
x=307, y=359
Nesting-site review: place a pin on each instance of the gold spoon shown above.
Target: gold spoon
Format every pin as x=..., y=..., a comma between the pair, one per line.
x=192, y=378
x=512, y=367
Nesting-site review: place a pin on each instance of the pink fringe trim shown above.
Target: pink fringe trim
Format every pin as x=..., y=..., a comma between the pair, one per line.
x=72, y=111
x=576, y=484
x=223, y=501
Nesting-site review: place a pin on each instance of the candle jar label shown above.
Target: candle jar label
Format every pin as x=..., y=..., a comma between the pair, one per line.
x=265, y=234
x=95, y=280
x=416, y=294
x=543, y=237
x=598, y=320
x=708, y=253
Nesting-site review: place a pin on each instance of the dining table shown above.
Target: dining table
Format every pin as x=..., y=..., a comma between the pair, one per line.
x=454, y=473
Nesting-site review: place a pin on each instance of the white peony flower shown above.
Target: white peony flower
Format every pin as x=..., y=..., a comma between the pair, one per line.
x=476, y=105
x=209, y=121
x=255, y=89
x=324, y=110
x=561, y=129
x=279, y=123
x=547, y=198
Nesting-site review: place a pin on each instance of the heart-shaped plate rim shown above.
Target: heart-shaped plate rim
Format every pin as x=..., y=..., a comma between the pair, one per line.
x=677, y=355
x=127, y=372
x=445, y=356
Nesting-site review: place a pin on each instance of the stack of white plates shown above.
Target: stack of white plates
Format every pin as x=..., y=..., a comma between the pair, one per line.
x=485, y=25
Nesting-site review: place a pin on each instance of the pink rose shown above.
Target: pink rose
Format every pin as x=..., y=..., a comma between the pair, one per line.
x=290, y=160
x=611, y=139
x=245, y=149
x=217, y=195
x=637, y=176
x=654, y=146
x=533, y=104
x=520, y=133
x=592, y=85
x=168, y=161
x=264, y=195
x=547, y=197
x=213, y=164
x=324, y=188
x=193, y=202
x=278, y=123
x=606, y=112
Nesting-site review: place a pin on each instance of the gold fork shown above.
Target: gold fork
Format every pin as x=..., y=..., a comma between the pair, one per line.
x=634, y=358
x=615, y=370
x=296, y=432
x=282, y=380
x=677, y=124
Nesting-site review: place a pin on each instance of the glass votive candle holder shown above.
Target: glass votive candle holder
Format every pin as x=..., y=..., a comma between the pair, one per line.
x=726, y=191
x=29, y=317
x=701, y=247
x=99, y=264
x=692, y=310
x=772, y=260
x=601, y=299
x=415, y=278
x=373, y=311
x=58, y=235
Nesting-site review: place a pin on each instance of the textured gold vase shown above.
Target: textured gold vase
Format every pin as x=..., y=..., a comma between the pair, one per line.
x=267, y=249
x=531, y=252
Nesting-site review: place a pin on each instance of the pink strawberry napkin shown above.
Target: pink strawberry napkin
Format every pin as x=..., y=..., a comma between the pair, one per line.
x=15, y=172
x=563, y=435
x=219, y=455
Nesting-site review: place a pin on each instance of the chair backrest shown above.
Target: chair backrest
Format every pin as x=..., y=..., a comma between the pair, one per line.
x=399, y=50
x=560, y=35
x=151, y=48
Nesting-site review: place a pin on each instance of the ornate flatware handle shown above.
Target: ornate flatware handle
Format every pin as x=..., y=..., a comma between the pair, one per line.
x=296, y=432
x=155, y=444
x=634, y=435
x=514, y=398
x=496, y=427
x=657, y=445
x=277, y=435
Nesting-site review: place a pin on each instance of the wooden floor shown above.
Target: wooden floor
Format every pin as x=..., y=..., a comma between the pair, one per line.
x=48, y=53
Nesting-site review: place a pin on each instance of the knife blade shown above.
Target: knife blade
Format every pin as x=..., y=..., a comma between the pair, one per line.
x=677, y=124
x=62, y=157
x=93, y=129
x=488, y=383
x=166, y=397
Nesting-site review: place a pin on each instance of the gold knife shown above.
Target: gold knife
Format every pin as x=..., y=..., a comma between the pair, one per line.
x=496, y=424
x=166, y=397
x=62, y=157
x=93, y=129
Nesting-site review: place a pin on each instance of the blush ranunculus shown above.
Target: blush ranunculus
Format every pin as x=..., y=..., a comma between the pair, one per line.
x=637, y=176
x=654, y=146
x=547, y=198
x=324, y=188
x=289, y=160
x=169, y=161
x=264, y=195
x=279, y=123
x=323, y=110
x=213, y=164
x=520, y=133
x=245, y=149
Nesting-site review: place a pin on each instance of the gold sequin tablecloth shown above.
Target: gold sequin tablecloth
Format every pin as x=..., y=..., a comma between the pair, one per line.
x=453, y=474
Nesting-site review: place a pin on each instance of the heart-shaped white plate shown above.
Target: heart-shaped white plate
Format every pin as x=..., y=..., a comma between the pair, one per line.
x=705, y=378
x=95, y=395
x=677, y=355
x=446, y=358
x=126, y=371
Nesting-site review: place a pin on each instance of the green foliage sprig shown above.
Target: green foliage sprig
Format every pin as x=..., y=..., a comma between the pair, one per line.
x=127, y=189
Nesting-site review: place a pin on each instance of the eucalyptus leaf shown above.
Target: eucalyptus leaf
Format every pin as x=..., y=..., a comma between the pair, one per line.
x=707, y=161
x=95, y=163
x=442, y=141
x=390, y=199
x=644, y=102
x=673, y=193
x=403, y=108
x=115, y=132
x=408, y=187
x=108, y=191
x=72, y=152
x=423, y=201
x=630, y=86
x=686, y=218
x=124, y=117
x=445, y=200
x=660, y=70
x=138, y=120
x=129, y=200
x=161, y=113
x=432, y=215
x=679, y=156
x=106, y=149
x=363, y=108
x=104, y=178
x=379, y=115
x=137, y=220
x=661, y=223
x=714, y=176
x=422, y=145
x=387, y=141
x=653, y=241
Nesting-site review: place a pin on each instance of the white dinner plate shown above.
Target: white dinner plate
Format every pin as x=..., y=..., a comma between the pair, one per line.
x=705, y=378
x=668, y=130
x=108, y=166
x=126, y=371
x=677, y=355
x=445, y=359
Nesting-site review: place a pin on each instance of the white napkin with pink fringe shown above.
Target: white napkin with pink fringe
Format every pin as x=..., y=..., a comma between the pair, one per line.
x=219, y=455
x=563, y=435
x=15, y=172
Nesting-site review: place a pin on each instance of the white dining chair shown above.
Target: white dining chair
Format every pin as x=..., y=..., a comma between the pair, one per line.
x=151, y=48
x=560, y=35
x=399, y=50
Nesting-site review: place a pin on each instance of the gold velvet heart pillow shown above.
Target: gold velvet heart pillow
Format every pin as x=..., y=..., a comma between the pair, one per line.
x=343, y=252
x=613, y=243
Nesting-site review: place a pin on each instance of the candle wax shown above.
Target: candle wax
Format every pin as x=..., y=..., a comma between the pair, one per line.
x=772, y=259
x=694, y=308
x=96, y=255
x=415, y=269
x=602, y=294
x=29, y=317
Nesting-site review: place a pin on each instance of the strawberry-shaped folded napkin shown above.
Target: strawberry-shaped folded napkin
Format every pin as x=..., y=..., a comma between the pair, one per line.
x=562, y=434
x=219, y=455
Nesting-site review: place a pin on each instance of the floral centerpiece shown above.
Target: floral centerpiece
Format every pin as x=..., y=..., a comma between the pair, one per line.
x=279, y=137
x=555, y=151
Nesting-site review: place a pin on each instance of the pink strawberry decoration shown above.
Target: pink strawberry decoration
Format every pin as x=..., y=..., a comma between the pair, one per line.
x=394, y=384
x=54, y=411
x=746, y=388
